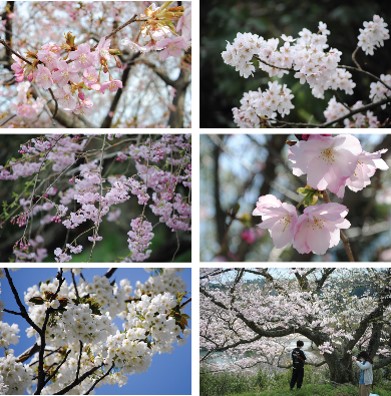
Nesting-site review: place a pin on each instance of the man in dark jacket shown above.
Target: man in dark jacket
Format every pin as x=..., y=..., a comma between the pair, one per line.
x=298, y=359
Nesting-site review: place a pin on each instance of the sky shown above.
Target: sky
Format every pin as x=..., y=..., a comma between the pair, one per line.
x=169, y=374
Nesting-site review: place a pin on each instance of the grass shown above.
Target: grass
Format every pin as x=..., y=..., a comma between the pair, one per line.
x=314, y=390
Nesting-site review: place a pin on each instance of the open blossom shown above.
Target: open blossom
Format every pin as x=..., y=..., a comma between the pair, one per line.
x=365, y=169
x=83, y=56
x=328, y=161
x=318, y=228
x=112, y=85
x=277, y=217
x=173, y=46
x=373, y=35
x=43, y=77
x=66, y=98
x=103, y=48
x=65, y=73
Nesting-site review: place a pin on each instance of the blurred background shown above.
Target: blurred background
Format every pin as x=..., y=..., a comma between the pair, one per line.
x=237, y=169
x=222, y=87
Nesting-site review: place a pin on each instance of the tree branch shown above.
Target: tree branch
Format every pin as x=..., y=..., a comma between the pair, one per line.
x=99, y=379
x=78, y=381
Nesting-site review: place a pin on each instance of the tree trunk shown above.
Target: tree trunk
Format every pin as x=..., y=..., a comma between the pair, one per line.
x=340, y=367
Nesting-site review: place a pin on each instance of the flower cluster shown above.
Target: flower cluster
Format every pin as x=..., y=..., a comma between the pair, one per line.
x=257, y=106
x=335, y=110
x=312, y=61
x=316, y=230
x=16, y=376
x=306, y=55
x=139, y=239
x=330, y=163
x=9, y=334
x=77, y=193
x=81, y=319
x=73, y=72
x=373, y=35
x=73, y=69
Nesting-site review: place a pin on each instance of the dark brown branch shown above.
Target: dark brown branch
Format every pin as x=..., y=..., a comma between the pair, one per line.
x=159, y=72
x=106, y=123
x=79, y=381
x=23, y=311
x=110, y=272
x=14, y=52
x=9, y=8
x=79, y=360
x=58, y=367
x=99, y=379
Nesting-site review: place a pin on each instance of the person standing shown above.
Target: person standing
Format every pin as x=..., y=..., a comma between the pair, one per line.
x=298, y=359
x=364, y=363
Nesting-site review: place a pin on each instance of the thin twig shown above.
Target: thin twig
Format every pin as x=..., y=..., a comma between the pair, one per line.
x=79, y=381
x=58, y=367
x=14, y=52
x=99, y=379
x=7, y=120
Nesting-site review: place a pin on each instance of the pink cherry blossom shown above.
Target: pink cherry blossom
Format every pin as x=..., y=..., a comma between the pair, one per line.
x=83, y=56
x=102, y=49
x=277, y=217
x=111, y=85
x=318, y=228
x=65, y=98
x=17, y=67
x=328, y=161
x=64, y=73
x=173, y=46
x=43, y=77
x=365, y=169
x=49, y=58
x=91, y=78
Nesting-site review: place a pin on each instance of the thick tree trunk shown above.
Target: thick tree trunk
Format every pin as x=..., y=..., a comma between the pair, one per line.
x=340, y=367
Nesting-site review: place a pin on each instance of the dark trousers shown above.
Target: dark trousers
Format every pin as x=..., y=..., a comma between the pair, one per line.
x=297, y=377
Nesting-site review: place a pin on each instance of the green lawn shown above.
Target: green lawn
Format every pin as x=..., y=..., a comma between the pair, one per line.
x=315, y=390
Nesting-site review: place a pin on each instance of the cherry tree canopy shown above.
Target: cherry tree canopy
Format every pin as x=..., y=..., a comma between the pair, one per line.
x=250, y=312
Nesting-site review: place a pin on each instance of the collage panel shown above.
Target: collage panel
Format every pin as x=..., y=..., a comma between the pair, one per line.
x=295, y=198
x=289, y=64
x=95, y=64
x=310, y=331
x=95, y=198
x=95, y=331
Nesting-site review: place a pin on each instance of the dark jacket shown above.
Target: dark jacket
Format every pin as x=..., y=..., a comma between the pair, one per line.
x=298, y=358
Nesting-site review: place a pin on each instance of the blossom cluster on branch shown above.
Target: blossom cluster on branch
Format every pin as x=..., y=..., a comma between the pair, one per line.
x=329, y=163
x=314, y=63
x=76, y=77
x=67, y=181
x=75, y=327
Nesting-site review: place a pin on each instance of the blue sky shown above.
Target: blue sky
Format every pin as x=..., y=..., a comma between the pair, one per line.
x=169, y=374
